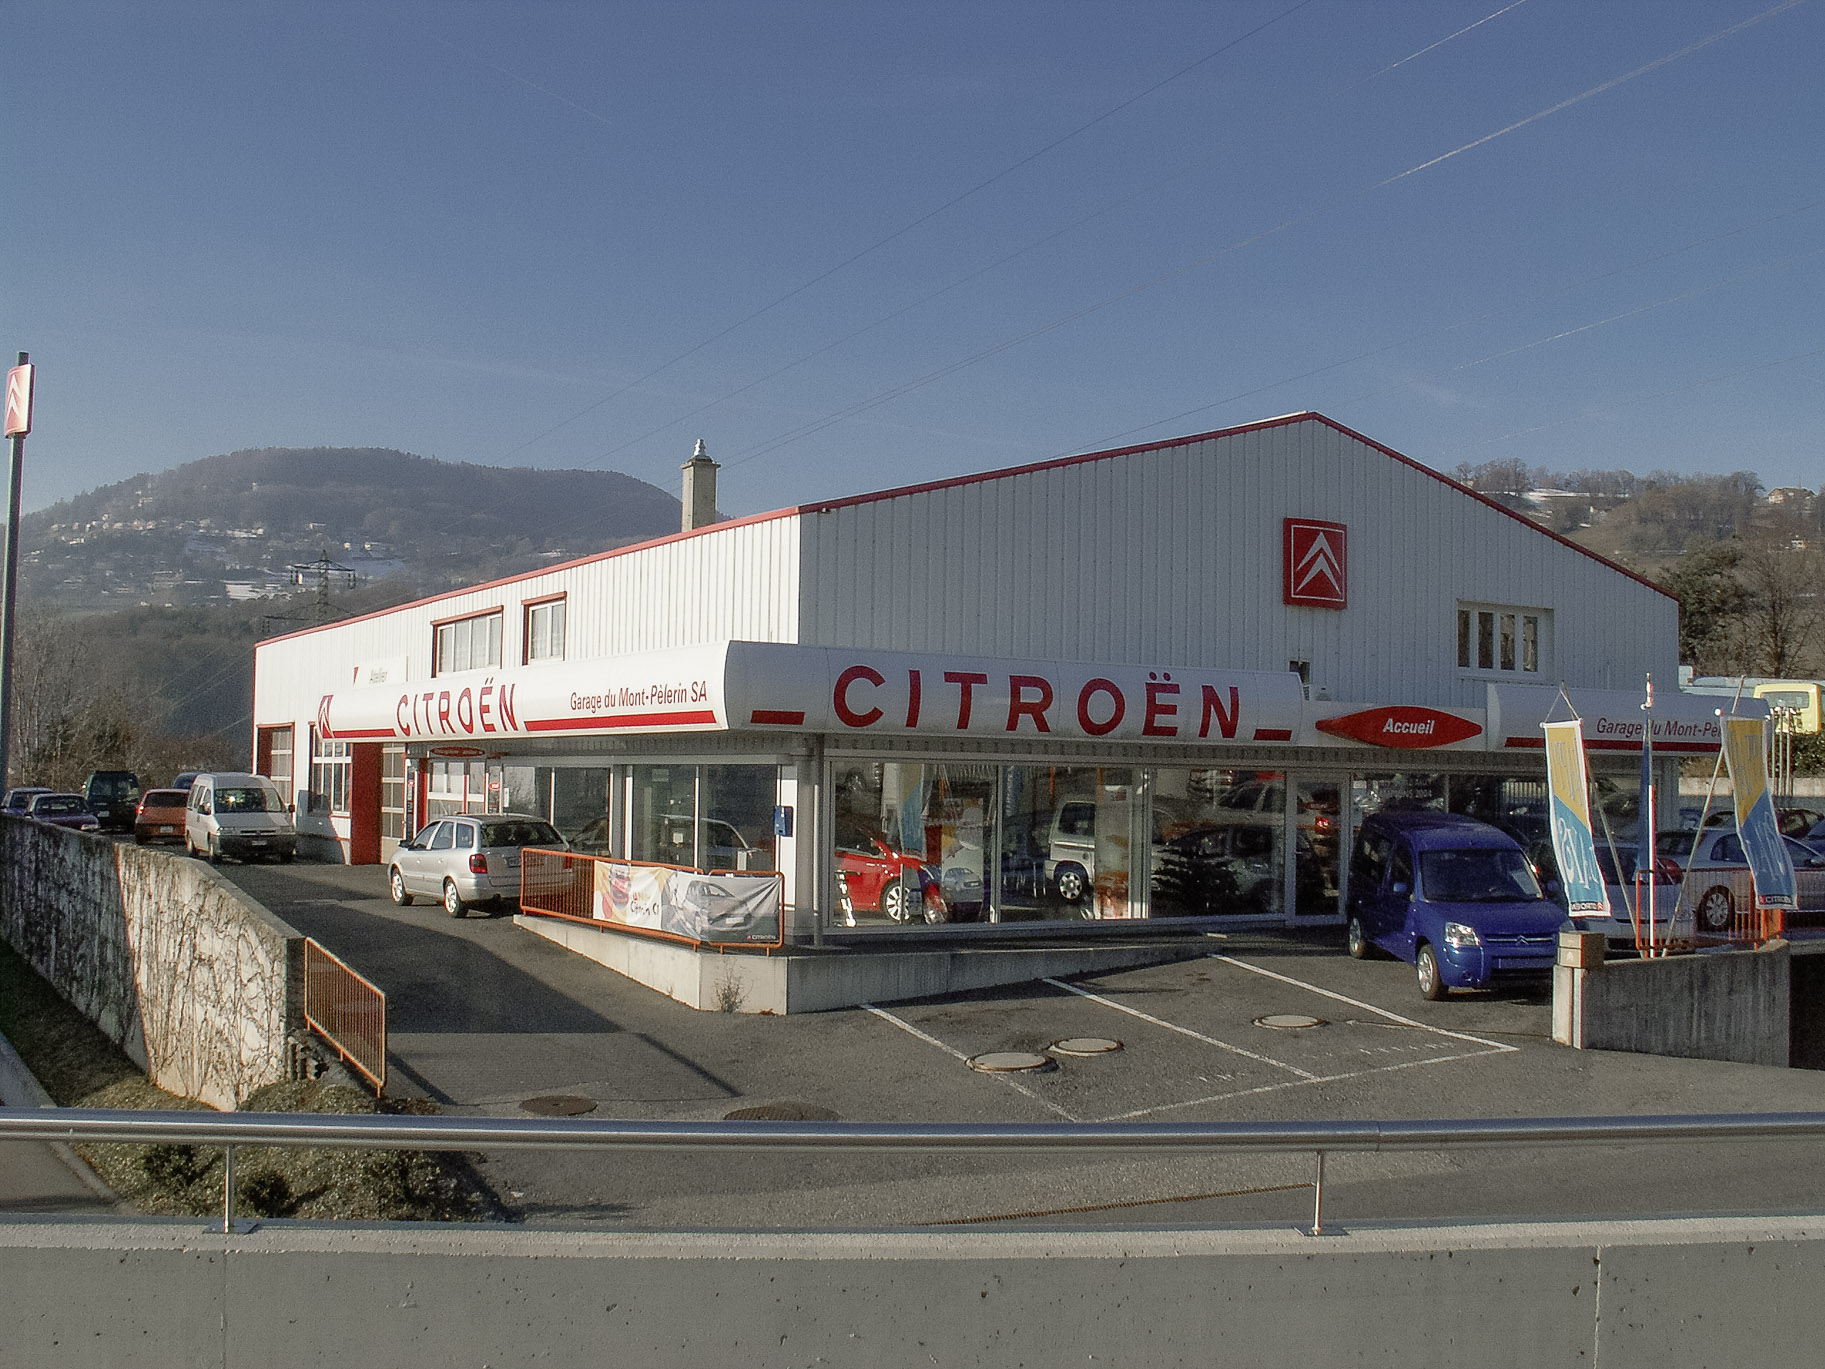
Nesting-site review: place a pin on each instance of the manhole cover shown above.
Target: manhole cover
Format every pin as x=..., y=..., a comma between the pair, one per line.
x=782, y=1112
x=1085, y=1045
x=1288, y=1021
x=559, y=1105
x=997, y=1062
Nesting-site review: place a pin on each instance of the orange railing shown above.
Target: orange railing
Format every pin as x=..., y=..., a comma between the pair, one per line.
x=727, y=909
x=347, y=1011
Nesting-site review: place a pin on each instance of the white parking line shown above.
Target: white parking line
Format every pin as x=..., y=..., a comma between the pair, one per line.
x=956, y=1054
x=1366, y=1007
x=1182, y=1031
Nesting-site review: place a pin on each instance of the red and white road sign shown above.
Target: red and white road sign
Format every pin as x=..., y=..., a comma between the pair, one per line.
x=18, y=401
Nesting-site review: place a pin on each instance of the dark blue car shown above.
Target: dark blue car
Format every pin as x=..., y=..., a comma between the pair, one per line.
x=1453, y=897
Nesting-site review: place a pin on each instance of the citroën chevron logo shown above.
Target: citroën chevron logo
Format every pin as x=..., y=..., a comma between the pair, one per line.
x=1316, y=563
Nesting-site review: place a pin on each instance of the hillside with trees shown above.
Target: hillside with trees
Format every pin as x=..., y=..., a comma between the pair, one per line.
x=234, y=527
x=1747, y=564
x=140, y=602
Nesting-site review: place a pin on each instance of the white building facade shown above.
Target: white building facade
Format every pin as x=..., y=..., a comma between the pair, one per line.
x=1157, y=683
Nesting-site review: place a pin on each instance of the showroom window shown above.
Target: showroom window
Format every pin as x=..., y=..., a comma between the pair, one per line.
x=1505, y=639
x=545, y=630
x=468, y=644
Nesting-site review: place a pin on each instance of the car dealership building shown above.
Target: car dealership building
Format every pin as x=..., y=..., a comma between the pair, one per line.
x=1163, y=682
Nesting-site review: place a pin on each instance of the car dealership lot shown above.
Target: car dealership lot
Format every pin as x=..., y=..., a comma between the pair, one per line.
x=484, y=1017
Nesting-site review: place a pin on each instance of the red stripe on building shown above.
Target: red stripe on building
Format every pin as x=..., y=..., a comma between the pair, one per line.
x=778, y=717
x=695, y=718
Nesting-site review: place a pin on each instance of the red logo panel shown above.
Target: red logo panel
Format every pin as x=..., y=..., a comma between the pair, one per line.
x=1316, y=563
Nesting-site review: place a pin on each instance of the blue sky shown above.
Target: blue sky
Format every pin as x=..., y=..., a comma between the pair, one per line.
x=857, y=245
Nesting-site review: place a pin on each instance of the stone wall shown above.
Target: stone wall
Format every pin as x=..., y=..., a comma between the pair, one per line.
x=196, y=982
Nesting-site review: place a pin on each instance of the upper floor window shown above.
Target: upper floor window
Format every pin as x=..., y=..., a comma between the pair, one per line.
x=1502, y=638
x=545, y=631
x=468, y=644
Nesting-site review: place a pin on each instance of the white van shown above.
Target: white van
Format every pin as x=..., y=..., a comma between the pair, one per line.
x=238, y=815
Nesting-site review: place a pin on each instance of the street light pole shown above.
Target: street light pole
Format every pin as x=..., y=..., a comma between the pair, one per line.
x=18, y=424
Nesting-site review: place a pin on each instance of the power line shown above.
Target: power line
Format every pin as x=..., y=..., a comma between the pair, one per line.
x=951, y=368
x=902, y=231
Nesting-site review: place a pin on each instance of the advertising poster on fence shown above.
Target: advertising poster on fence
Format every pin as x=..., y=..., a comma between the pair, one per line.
x=1756, y=823
x=726, y=908
x=1573, y=846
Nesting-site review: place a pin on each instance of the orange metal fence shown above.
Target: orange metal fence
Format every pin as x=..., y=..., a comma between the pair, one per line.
x=727, y=909
x=347, y=1011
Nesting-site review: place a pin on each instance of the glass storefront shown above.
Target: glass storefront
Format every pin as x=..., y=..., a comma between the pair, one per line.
x=979, y=842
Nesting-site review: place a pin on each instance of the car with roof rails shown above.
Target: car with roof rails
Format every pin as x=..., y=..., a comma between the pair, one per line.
x=113, y=797
x=468, y=858
x=1453, y=897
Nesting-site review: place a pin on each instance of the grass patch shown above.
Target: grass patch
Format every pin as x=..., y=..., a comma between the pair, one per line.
x=79, y=1067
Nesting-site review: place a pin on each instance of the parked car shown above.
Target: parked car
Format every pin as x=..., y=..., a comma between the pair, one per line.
x=113, y=797
x=160, y=817
x=62, y=810
x=1659, y=914
x=880, y=878
x=19, y=800
x=186, y=778
x=241, y=815
x=1454, y=897
x=1717, y=879
x=468, y=859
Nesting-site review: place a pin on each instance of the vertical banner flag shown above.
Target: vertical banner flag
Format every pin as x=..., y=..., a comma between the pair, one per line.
x=1755, y=820
x=1573, y=846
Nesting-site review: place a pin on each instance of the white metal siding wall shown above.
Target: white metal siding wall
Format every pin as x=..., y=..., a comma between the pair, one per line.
x=1174, y=555
x=736, y=582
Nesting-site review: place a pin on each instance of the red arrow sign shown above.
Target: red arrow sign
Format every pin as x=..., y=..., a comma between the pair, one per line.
x=1405, y=727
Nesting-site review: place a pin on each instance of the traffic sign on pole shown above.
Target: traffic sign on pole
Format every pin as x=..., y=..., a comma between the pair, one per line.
x=18, y=401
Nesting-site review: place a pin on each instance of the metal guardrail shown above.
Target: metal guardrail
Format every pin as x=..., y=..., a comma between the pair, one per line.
x=229, y=1129
x=347, y=1011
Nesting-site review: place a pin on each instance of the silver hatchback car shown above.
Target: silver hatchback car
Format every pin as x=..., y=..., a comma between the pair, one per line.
x=468, y=859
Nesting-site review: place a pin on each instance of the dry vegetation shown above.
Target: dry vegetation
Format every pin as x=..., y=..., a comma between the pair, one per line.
x=79, y=1067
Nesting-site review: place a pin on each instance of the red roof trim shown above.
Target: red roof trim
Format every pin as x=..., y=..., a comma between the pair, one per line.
x=959, y=482
x=1521, y=518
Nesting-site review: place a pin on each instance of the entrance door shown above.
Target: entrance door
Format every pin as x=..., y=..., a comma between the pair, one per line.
x=392, y=799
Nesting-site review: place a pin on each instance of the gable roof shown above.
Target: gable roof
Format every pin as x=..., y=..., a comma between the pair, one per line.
x=985, y=477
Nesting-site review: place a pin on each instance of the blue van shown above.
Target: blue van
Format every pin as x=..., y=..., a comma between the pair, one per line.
x=1453, y=897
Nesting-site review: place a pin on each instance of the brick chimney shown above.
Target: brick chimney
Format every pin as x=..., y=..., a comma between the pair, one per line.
x=699, y=490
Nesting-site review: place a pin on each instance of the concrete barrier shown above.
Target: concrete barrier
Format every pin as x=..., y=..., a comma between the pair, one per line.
x=798, y=980
x=1656, y=1294
x=198, y=984
x=1717, y=1005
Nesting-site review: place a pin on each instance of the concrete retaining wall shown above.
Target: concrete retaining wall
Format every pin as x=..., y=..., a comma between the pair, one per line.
x=197, y=983
x=1721, y=1005
x=1635, y=1295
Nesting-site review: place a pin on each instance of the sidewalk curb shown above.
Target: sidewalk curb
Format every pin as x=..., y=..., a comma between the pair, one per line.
x=19, y=1088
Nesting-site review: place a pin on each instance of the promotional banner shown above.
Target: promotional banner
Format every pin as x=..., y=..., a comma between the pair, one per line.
x=730, y=908
x=1573, y=846
x=1756, y=823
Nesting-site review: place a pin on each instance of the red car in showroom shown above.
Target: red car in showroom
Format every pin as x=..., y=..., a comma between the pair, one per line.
x=882, y=879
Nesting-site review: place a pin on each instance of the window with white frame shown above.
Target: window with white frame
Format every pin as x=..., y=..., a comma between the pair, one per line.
x=468, y=644
x=1503, y=638
x=545, y=631
x=330, y=766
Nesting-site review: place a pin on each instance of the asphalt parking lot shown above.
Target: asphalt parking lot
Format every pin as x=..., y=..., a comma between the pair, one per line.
x=484, y=1016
